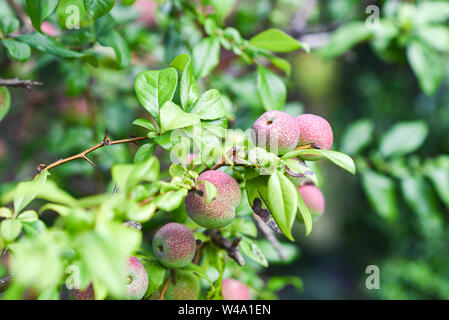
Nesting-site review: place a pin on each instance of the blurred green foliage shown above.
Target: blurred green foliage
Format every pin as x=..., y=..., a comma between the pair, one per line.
x=382, y=84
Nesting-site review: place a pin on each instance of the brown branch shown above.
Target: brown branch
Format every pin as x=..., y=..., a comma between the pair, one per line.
x=83, y=155
x=308, y=146
x=161, y=297
x=199, y=248
x=231, y=247
x=26, y=84
x=235, y=160
x=4, y=283
x=269, y=234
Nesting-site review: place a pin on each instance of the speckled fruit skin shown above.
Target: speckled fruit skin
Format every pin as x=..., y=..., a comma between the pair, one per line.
x=276, y=131
x=313, y=198
x=136, y=288
x=184, y=286
x=234, y=290
x=221, y=210
x=314, y=130
x=174, y=245
x=86, y=294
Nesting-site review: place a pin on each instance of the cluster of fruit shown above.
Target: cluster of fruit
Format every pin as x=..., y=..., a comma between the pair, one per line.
x=280, y=133
x=174, y=244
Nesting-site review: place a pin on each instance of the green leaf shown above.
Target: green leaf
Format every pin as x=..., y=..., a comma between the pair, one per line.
x=252, y=250
x=144, y=152
x=223, y=8
x=305, y=213
x=299, y=167
x=421, y=199
x=210, y=189
x=282, y=202
x=145, y=123
x=290, y=250
x=240, y=225
x=271, y=89
x=114, y=40
x=436, y=36
x=257, y=194
x=8, y=24
x=277, y=283
x=140, y=213
x=381, y=194
x=105, y=252
x=154, y=88
x=188, y=87
x=345, y=38
x=49, y=294
x=37, y=261
x=120, y=174
x=172, y=117
x=432, y=11
x=170, y=200
x=357, y=136
x=198, y=270
x=72, y=14
x=403, y=138
x=61, y=209
x=176, y=170
x=33, y=229
x=157, y=275
x=205, y=56
x=28, y=216
x=39, y=10
x=282, y=64
x=5, y=102
x=98, y=8
x=438, y=172
x=340, y=159
x=423, y=60
x=5, y=213
x=275, y=40
x=104, y=25
x=17, y=50
x=47, y=44
x=209, y=106
x=27, y=191
x=145, y=171
x=10, y=229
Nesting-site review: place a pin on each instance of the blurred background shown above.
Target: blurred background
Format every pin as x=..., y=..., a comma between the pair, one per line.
x=381, y=82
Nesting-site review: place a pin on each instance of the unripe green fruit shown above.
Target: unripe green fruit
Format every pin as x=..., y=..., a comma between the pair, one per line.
x=86, y=294
x=174, y=245
x=314, y=130
x=184, y=286
x=137, y=280
x=276, y=131
x=313, y=199
x=234, y=290
x=220, y=211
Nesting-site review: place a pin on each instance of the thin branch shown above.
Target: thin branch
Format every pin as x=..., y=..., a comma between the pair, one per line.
x=269, y=234
x=26, y=84
x=4, y=283
x=83, y=155
x=231, y=247
x=161, y=297
x=199, y=248
x=235, y=160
